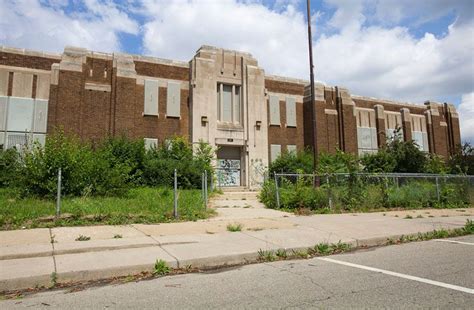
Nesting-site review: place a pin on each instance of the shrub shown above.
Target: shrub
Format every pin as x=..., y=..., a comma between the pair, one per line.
x=83, y=171
x=338, y=163
x=123, y=151
x=462, y=161
x=435, y=164
x=291, y=162
x=380, y=162
x=408, y=157
x=177, y=154
x=9, y=164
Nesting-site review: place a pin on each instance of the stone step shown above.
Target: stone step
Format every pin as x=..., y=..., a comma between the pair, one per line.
x=234, y=189
x=237, y=196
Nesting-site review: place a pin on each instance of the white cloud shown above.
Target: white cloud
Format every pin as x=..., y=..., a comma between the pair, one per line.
x=46, y=26
x=276, y=38
x=466, y=117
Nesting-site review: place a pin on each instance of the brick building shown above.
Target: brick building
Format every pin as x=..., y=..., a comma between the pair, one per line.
x=219, y=96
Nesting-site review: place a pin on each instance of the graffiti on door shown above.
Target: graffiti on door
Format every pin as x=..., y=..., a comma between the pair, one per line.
x=228, y=172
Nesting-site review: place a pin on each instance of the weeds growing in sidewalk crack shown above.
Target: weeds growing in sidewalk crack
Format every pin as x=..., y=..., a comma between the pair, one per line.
x=234, y=227
x=266, y=256
x=408, y=217
x=117, y=236
x=161, y=268
x=83, y=238
x=54, y=279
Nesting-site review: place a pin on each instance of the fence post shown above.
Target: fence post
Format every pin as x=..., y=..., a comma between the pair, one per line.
x=205, y=188
x=276, y=191
x=329, y=190
x=212, y=182
x=58, y=198
x=175, y=211
x=437, y=188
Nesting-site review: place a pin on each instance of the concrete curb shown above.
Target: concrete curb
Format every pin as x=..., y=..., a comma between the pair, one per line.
x=206, y=263
x=76, y=251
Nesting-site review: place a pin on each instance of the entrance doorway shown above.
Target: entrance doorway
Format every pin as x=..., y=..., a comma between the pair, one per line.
x=228, y=166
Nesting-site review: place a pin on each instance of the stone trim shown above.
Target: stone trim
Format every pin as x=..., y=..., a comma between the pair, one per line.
x=98, y=87
x=386, y=101
x=25, y=70
x=22, y=51
x=283, y=96
x=286, y=79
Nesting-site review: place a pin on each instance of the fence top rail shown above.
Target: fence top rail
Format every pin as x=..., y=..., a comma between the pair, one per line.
x=379, y=175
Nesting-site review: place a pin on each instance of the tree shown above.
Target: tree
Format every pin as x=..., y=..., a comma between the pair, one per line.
x=462, y=161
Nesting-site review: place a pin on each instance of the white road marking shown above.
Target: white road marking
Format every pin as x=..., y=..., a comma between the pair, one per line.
x=401, y=275
x=454, y=241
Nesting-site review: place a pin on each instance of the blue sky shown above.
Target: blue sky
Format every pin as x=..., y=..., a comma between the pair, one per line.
x=408, y=50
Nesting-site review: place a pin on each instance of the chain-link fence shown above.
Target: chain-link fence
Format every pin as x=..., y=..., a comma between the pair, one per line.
x=207, y=186
x=370, y=191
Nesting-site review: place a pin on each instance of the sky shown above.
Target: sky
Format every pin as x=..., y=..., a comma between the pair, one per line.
x=407, y=50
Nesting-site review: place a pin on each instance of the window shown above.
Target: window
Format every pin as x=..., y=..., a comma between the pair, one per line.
x=290, y=112
x=291, y=148
x=150, y=143
x=274, y=107
x=275, y=151
x=393, y=121
x=366, y=131
x=151, y=98
x=173, y=99
x=229, y=103
x=419, y=132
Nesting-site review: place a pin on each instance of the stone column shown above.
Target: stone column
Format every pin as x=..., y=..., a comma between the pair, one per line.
x=406, y=124
x=438, y=129
x=348, y=123
x=380, y=125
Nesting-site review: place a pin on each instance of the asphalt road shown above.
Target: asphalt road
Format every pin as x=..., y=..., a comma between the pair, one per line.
x=431, y=274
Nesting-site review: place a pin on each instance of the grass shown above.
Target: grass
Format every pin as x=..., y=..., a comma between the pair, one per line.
x=138, y=205
x=234, y=227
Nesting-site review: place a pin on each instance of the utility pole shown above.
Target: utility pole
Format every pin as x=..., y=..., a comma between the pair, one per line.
x=311, y=69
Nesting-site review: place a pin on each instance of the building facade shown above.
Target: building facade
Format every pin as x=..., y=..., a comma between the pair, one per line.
x=220, y=96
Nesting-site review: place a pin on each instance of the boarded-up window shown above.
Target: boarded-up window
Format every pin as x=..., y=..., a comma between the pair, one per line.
x=41, y=115
x=39, y=138
x=419, y=132
x=4, y=77
x=290, y=112
x=229, y=103
x=366, y=131
x=226, y=103
x=173, y=99
x=150, y=143
x=274, y=107
x=20, y=114
x=275, y=151
x=22, y=84
x=237, y=105
x=17, y=140
x=393, y=121
x=3, y=112
x=42, y=86
x=151, y=97
x=291, y=148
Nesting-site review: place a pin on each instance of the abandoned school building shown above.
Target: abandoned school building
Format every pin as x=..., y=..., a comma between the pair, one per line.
x=220, y=96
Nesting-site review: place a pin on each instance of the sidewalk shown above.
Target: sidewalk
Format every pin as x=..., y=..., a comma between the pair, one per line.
x=28, y=258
